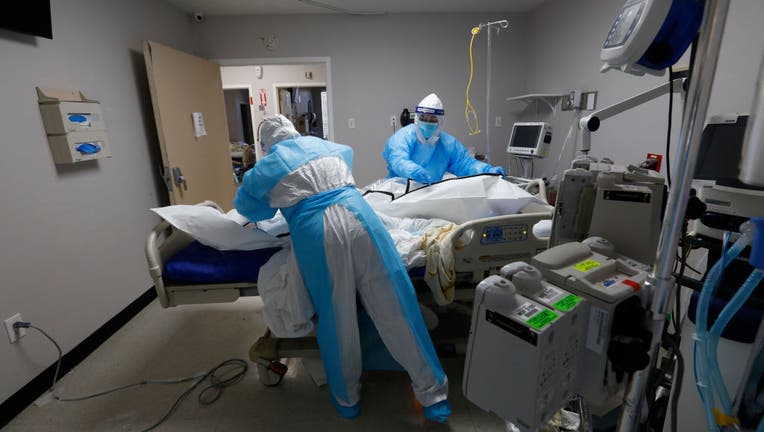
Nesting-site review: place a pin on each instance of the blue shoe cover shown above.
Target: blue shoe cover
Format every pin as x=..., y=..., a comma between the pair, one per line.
x=438, y=412
x=347, y=412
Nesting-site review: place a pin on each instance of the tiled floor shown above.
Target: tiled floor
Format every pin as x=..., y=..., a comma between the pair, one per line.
x=183, y=341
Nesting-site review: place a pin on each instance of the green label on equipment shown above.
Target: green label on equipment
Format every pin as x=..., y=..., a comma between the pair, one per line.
x=541, y=319
x=585, y=266
x=567, y=303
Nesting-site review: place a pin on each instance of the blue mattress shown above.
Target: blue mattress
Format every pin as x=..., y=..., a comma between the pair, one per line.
x=200, y=264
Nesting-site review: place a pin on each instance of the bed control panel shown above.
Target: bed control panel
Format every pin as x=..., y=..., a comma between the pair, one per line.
x=504, y=234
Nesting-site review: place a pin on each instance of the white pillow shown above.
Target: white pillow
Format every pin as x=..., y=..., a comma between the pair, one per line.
x=221, y=231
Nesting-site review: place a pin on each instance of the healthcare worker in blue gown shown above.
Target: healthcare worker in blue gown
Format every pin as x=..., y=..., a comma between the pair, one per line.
x=424, y=153
x=345, y=256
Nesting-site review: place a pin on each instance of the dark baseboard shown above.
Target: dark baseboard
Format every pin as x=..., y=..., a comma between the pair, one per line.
x=35, y=388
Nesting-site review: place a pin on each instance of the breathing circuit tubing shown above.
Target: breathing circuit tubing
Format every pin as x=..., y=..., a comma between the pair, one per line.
x=708, y=374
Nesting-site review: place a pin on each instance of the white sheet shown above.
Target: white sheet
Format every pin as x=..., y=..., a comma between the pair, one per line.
x=222, y=231
x=287, y=307
x=457, y=200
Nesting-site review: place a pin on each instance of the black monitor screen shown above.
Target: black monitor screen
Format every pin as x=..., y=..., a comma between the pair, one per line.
x=720, y=149
x=526, y=136
x=27, y=16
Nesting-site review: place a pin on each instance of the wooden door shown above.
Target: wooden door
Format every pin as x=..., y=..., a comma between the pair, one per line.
x=187, y=92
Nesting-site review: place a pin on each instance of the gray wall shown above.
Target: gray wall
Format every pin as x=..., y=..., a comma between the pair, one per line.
x=565, y=40
x=380, y=64
x=72, y=237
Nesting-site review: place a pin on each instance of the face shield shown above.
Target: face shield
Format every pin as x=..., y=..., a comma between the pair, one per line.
x=428, y=127
x=428, y=119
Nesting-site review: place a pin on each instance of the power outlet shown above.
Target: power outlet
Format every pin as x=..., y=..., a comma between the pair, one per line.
x=14, y=334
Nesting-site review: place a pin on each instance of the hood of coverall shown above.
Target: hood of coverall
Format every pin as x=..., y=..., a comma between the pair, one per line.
x=275, y=129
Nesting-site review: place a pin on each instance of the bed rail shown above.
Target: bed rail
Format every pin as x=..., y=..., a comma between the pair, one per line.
x=484, y=244
x=163, y=242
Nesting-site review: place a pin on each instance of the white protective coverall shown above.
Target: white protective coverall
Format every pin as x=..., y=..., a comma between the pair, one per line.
x=345, y=255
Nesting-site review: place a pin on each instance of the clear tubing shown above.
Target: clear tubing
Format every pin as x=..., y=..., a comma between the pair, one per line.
x=757, y=347
x=705, y=388
x=729, y=311
x=704, y=69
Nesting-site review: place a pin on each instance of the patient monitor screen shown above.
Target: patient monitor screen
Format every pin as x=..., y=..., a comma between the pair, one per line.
x=526, y=136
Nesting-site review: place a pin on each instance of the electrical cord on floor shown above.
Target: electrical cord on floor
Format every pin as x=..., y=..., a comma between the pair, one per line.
x=677, y=382
x=221, y=376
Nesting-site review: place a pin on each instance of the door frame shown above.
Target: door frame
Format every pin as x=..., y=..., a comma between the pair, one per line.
x=247, y=87
x=326, y=61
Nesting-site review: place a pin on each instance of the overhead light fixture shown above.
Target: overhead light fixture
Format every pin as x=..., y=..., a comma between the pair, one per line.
x=340, y=9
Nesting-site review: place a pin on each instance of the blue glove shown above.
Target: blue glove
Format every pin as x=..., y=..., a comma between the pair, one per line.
x=497, y=170
x=422, y=176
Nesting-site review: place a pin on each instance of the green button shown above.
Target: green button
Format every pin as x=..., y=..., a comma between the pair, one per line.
x=567, y=303
x=585, y=266
x=541, y=319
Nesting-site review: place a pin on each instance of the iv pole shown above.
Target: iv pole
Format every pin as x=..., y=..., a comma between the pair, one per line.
x=501, y=24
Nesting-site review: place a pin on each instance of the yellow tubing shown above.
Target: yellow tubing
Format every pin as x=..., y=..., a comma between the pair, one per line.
x=469, y=110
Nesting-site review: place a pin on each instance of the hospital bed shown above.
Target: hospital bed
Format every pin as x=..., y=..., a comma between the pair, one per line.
x=186, y=272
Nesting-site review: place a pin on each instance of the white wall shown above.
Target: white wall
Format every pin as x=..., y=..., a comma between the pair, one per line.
x=565, y=41
x=381, y=64
x=72, y=237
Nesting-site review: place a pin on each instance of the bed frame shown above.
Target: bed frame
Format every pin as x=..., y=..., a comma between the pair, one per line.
x=473, y=260
x=471, y=255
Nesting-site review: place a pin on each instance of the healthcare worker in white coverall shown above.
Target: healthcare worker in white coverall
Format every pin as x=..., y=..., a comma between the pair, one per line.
x=345, y=255
x=423, y=152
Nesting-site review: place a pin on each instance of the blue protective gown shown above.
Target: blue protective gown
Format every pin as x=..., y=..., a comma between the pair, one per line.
x=406, y=157
x=345, y=255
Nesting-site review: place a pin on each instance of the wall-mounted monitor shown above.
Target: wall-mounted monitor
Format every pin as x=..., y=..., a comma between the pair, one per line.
x=530, y=139
x=27, y=16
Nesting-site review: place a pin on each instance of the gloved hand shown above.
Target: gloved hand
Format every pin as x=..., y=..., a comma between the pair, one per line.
x=497, y=170
x=422, y=176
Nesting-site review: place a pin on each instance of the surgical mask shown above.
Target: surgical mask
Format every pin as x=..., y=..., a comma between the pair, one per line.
x=427, y=128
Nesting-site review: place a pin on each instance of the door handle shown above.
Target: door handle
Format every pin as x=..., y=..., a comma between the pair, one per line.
x=177, y=175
